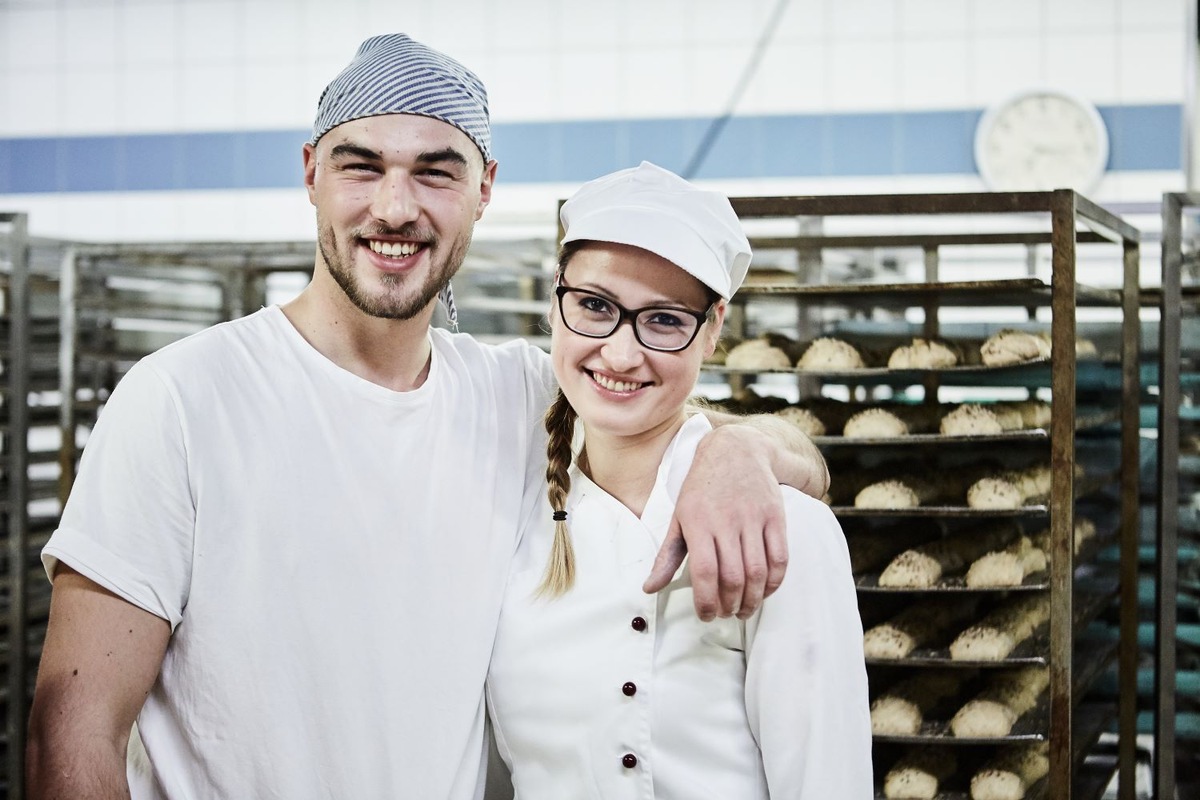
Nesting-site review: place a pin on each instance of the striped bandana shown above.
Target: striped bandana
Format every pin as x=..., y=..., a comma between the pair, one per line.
x=392, y=74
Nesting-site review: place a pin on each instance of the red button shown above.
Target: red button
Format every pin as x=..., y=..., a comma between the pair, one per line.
x=638, y=624
x=629, y=761
x=630, y=689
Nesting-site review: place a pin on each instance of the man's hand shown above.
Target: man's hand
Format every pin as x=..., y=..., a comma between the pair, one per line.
x=729, y=518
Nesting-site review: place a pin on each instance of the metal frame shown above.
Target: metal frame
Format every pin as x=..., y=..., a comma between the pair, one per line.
x=1067, y=211
x=1167, y=516
x=16, y=449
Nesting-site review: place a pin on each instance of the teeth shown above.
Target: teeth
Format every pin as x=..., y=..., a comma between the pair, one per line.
x=614, y=386
x=393, y=249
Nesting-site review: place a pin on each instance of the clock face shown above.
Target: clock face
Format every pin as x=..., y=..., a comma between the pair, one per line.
x=1039, y=141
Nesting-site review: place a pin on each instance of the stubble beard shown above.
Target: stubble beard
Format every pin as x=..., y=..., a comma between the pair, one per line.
x=391, y=302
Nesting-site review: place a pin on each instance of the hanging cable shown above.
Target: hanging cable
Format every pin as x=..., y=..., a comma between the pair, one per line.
x=717, y=125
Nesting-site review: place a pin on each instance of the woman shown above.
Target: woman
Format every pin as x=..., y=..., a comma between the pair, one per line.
x=598, y=690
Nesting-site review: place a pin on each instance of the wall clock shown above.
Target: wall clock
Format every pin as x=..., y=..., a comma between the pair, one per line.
x=1040, y=140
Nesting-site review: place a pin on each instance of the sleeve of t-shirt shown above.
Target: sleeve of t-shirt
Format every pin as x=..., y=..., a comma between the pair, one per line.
x=806, y=680
x=128, y=522
x=542, y=389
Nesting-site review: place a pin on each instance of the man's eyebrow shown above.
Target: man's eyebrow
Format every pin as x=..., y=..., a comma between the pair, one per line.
x=445, y=154
x=355, y=150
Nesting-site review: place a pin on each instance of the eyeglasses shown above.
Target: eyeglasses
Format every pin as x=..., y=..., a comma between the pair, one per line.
x=662, y=328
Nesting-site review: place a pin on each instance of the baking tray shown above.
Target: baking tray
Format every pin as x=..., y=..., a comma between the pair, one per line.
x=1021, y=292
x=1092, y=657
x=1082, y=423
x=1090, y=722
x=868, y=583
x=1032, y=651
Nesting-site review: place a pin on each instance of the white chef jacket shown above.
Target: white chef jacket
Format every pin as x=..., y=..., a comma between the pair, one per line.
x=607, y=692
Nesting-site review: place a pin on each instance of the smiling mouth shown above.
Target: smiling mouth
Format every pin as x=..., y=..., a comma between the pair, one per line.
x=615, y=386
x=394, y=249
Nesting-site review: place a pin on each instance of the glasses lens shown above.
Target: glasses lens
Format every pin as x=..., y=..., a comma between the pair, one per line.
x=666, y=328
x=588, y=314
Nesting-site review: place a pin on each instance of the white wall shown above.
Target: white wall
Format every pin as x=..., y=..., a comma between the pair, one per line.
x=87, y=67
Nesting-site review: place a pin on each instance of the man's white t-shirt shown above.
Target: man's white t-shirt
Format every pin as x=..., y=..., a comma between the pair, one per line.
x=331, y=556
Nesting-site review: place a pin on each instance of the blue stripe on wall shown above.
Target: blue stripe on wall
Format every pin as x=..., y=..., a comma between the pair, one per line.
x=1144, y=137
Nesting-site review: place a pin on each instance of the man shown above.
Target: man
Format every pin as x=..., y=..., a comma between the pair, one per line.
x=285, y=551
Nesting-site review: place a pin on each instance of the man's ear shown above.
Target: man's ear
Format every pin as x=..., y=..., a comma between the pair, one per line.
x=485, y=187
x=310, y=172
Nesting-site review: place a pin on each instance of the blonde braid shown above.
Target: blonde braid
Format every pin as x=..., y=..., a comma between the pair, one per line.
x=560, y=569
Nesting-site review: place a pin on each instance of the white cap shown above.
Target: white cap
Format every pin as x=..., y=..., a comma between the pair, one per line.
x=655, y=209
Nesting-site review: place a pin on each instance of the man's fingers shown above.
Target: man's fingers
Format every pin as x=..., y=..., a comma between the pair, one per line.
x=754, y=562
x=775, y=540
x=670, y=556
x=731, y=574
x=702, y=564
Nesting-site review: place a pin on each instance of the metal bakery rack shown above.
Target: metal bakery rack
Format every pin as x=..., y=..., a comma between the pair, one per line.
x=1174, y=636
x=881, y=270
x=29, y=464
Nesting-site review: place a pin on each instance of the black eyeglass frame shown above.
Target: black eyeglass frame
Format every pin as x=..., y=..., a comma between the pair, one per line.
x=630, y=315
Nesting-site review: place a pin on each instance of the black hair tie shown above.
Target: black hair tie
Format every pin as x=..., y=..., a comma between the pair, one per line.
x=560, y=516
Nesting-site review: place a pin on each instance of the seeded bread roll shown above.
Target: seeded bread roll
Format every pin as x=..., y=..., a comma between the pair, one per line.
x=828, y=353
x=922, y=567
x=921, y=624
x=919, y=774
x=901, y=709
x=1034, y=413
x=1007, y=567
x=1084, y=530
x=923, y=354
x=1001, y=492
x=1011, y=772
x=803, y=419
x=757, y=354
x=874, y=423
x=1010, y=490
x=971, y=419
x=892, y=494
x=872, y=549
x=995, y=636
x=1085, y=348
x=992, y=713
x=1011, y=346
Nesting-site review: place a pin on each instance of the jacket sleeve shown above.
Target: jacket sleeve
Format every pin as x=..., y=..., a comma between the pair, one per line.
x=806, y=680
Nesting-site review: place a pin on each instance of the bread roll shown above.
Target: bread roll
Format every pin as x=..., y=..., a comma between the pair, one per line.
x=1011, y=772
x=1007, y=567
x=1010, y=346
x=828, y=353
x=923, y=566
x=923, y=354
x=971, y=419
x=872, y=549
x=992, y=713
x=1011, y=489
x=757, y=354
x=995, y=636
x=803, y=419
x=1084, y=530
x=1034, y=413
x=918, y=774
x=919, y=625
x=874, y=423
x=901, y=709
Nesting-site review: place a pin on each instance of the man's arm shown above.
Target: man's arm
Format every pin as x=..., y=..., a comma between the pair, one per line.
x=100, y=658
x=730, y=518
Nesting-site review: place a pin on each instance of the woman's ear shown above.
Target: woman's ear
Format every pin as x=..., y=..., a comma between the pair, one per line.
x=712, y=333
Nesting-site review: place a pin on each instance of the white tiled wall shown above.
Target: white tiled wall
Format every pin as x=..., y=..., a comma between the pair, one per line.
x=127, y=66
